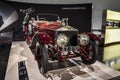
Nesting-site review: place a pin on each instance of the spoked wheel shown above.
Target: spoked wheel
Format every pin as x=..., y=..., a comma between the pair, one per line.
x=91, y=53
x=42, y=59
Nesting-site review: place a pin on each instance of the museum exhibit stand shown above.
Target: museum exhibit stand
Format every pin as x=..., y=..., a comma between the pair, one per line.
x=22, y=64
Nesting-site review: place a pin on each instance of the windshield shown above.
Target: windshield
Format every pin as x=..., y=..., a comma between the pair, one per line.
x=48, y=17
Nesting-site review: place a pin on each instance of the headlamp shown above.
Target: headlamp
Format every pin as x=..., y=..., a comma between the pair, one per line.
x=62, y=40
x=83, y=39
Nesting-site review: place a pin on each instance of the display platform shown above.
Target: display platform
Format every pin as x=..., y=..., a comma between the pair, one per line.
x=22, y=66
x=97, y=71
x=20, y=52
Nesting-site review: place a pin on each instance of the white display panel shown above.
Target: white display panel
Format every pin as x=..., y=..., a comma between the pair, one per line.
x=112, y=35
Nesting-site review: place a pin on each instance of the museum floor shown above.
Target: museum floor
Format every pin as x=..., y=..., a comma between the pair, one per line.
x=71, y=69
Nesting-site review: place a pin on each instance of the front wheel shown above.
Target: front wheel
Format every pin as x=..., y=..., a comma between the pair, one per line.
x=43, y=58
x=91, y=53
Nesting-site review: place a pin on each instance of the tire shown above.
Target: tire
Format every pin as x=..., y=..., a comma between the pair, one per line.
x=92, y=54
x=43, y=58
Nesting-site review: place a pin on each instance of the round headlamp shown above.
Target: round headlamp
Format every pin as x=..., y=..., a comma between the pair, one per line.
x=83, y=39
x=62, y=40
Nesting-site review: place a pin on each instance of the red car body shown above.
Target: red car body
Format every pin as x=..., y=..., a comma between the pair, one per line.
x=62, y=41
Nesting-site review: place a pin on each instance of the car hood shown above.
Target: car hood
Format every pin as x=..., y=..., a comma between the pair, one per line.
x=66, y=28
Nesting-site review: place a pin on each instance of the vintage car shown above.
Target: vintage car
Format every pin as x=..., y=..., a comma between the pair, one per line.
x=53, y=39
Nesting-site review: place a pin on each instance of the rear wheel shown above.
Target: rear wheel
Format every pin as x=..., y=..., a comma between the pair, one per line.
x=42, y=59
x=91, y=51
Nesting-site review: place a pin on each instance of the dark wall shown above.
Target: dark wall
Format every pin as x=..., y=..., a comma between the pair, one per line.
x=98, y=7
x=80, y=15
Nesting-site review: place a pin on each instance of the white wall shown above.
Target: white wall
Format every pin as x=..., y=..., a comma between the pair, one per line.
x=98, y=7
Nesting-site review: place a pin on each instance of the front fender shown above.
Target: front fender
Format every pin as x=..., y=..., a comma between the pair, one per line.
x=92, y=36
x=44, y=38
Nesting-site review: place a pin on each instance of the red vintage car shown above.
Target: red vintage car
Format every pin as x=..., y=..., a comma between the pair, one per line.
x=53, y=39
